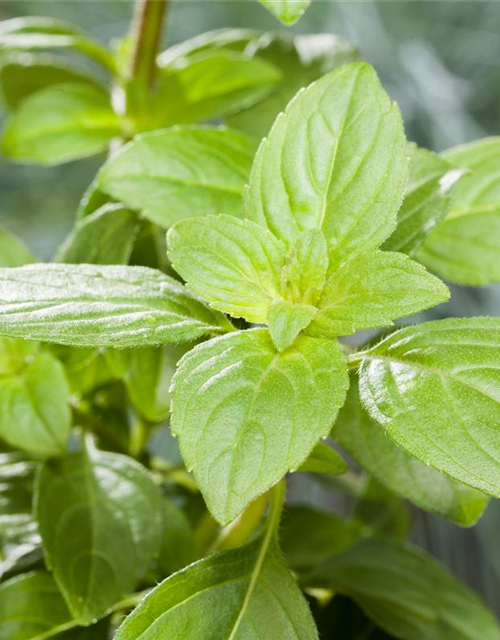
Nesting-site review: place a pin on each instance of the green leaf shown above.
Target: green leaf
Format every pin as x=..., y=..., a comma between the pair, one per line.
x=286, y=320
x=341, y=170
x=288, y=11
x=324, y=459
x=100, y=516
x=180, y=172
x=407, y=593
x=465, y=248
x=34, y=400
x=426, y=202
x=24, y=74
x=301, y=60
x=147, y=374
x=13, y=252
x=371, y=291
x=435, y=388
x=92, y=200
x=306, y=267
x=215, y=40
x=241, y=594
x=101, y=306
x=34, y=33
x=245, y=414
x=103, y=237
x=310, y=537
x=32, y=608
x=233, y=264
x=61, y=123
x=366, y=441
x=178, y=548
x=210, y=84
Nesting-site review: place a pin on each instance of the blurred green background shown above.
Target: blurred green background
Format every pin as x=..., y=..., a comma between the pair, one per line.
x=439, y=59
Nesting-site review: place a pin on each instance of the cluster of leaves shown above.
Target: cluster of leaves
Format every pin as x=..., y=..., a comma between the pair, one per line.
x=274, y=252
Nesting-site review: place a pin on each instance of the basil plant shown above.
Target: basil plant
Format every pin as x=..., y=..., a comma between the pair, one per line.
x=186, y=354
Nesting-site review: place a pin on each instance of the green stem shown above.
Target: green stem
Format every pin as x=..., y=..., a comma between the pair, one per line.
x=147, y=31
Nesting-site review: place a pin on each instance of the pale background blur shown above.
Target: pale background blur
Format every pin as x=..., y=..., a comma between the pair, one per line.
x=440, y=59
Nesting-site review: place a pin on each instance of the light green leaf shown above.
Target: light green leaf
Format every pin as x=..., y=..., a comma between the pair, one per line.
x=13, y=252
x=180, y=172
x=23, y=74
x=32, y=608
x=241, y=594
x=35, y=33
x=288, y=11
x=435, y=388
x=407, y=593
x=210, y=84
x=286, y=320
x=324, y=459
x=306, y=267
x=100, y=516
x=404, y=475
x=101, y=306
x=310, y=537
x=92, y=200
x=342, y=170
x=301, y=60
x=371, y=291
x=34, y=400
x=465, y=248
x=245, y=414
x=103, y=237
x=61, y=123
x=233, y=264
x=426, y=202
x=147, y=374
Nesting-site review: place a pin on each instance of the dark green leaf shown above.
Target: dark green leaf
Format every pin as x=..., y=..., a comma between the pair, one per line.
x=406, y=476
x=180, y=172
x=87, y=305
x=104, y=237
x=61, y=123
x=407, y=593
x=245, y=414
x=435, y=388
x=100, y=517
x=178, y=548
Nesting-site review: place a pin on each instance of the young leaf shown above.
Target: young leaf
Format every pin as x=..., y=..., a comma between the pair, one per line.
x=372, y=290
x=233, y=264
x=324, y=459
x=24, y=74
x=61, y=123
x=100, y=516
x=426, y=201
x=241, y=594
x=306, y=267
x=103, y=237
x=210, y=84
x=465, y=248
x=108, y=306
x=404, y=475
x=286, y=320
x=13, y=252
x=301, y=59
x=31, y=607
x=342, y=170
x=406, y=592
x=180, y=172
x=435, y=389
x=288, y=11
x=245, y=414
x=34, y=401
